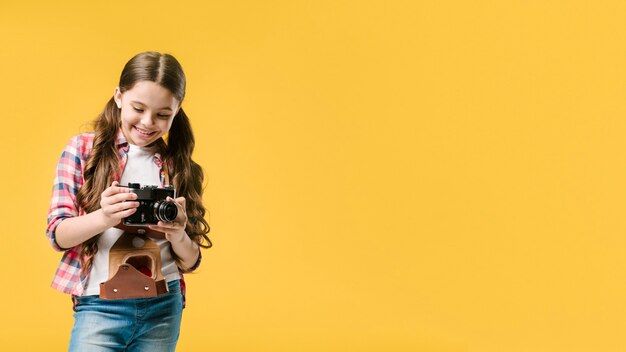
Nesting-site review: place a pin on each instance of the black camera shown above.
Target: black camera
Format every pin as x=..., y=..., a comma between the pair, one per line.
x=153, y=206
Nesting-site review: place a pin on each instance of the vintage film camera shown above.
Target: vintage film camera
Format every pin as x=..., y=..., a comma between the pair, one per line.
x=153, y=206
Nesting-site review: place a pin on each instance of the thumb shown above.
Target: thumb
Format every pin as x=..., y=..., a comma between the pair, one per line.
x=182, y=201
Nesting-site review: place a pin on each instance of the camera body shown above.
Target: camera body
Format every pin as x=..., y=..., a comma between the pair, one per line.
x=153, y=206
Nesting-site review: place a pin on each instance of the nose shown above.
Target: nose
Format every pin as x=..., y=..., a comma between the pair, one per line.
x=146, y=119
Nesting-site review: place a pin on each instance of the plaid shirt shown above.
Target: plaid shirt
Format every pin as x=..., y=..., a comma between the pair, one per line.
x=67, y=182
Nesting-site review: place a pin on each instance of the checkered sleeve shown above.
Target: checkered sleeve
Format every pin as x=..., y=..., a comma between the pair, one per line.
x=67, y=181
x=196, y=264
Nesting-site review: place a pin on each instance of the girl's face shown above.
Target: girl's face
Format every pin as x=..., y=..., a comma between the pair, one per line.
x=148, y=110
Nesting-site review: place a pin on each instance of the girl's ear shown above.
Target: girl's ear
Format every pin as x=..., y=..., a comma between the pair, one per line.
x=117, y=95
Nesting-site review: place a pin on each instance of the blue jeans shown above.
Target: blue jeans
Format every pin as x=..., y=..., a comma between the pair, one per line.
x=142, y=324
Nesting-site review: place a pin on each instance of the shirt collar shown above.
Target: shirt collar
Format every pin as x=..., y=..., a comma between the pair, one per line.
x=120, y=140
x=122, y=143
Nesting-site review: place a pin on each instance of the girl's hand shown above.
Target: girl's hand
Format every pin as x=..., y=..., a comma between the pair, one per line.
x=175, y=230
x=117, y=203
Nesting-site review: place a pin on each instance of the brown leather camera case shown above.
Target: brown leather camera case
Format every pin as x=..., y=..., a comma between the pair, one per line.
x=130, y=252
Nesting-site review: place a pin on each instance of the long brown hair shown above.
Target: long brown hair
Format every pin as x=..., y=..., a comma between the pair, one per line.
x=103, y=163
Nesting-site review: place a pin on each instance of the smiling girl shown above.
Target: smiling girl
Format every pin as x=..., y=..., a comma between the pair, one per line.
x=88, y=205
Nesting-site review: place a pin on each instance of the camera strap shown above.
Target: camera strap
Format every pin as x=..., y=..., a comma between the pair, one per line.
x=166, y=174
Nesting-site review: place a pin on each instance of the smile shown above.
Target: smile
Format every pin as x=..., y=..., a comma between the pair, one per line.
x=144, y=133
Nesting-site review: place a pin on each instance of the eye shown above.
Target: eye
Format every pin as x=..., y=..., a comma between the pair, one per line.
x=137, y=109
x=163, y=116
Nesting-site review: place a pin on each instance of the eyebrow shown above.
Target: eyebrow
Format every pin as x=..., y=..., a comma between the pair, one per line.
x=163, y=108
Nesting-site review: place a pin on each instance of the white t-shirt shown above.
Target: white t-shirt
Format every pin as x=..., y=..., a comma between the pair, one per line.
x=140, y=168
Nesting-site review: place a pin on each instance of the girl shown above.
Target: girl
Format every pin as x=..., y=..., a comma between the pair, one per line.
x=89, y=203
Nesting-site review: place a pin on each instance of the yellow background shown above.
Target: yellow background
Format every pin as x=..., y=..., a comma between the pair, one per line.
x=381, y=176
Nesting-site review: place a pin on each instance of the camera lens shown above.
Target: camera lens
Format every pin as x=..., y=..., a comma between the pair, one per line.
x=165, y=211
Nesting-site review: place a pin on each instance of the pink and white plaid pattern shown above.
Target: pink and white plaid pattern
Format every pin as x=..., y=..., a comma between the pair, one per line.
x=67, y=182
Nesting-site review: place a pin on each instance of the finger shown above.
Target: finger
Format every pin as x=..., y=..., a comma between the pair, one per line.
x=122, y=197
x=159, y=228
x=182, y=210
x=118, y=198
x=182, y=201
x=114, y=209
x=114, y=189
x=125, y=213
x=169, y=225
x=179, y=201
x=164, y=230
x=181, y=218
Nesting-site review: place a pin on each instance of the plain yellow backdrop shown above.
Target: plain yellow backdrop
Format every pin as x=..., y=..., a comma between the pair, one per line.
x=381, y=175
